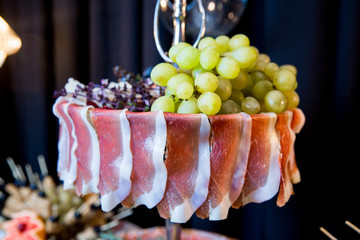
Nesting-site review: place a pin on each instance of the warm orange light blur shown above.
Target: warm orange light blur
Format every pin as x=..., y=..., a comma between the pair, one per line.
x=10, y=42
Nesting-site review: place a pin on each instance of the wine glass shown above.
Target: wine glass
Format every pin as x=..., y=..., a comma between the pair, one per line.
x=221, y=16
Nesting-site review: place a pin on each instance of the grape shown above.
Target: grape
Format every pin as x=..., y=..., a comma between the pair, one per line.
x=209, y=103
x=292, y=99
x=245, y=56
x=250, y=105
x=253, y=65
x=240, y=81
x=237, y=96
x=188, y=57
x=275, y=101
x=250, y=84
x=250, y=68
x=258, y=75
x=177, y=104
x=262, y=106
x=197, y=70
x=168, y=93
x=229, y=106
x=284, y=80
x=296, y=85
x=184, y=90
x=270, y=69
x=207, y=42
x=260, y=66
x=238, y=40
x=228, y=74
x=163, y=103
x=223, y=89
x=189, y=106
x=187, y=71
x=176, y=80
x=256, y=50
x=222, y=42
x=209, y=57
x=228, y=68
x=174, y=50
x=289, y=67
x=206, y=82
x=261, y=88
x=262, y=57
x=162, y=72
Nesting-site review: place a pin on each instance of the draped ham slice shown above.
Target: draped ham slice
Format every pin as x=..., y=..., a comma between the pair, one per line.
x=188, y=165
x=263, y=170
x=298, y=120
x=297, y=124
x=67, y=162
x=113, y=131
x=87, y=151
x=148, y=177
x=230, y=145
x=64, y=139
x=287, y=140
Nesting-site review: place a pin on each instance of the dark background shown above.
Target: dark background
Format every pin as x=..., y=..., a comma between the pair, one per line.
x=85, y=39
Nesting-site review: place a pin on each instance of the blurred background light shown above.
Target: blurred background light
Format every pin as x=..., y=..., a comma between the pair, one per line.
x=10, y=43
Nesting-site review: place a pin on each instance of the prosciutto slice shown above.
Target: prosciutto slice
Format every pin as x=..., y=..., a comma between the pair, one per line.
x=87, y=151
x=113, y=131
x=67, y=162
x=230, y=145
x=263, y=170
x=149, y=174
x=298, y=120
x=287, y=140
x=188, y=165
x=297, y=124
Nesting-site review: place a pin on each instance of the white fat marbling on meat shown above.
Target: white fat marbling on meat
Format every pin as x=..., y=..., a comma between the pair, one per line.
x=64, y=139
x=92, y=185
x=111, y=199
x=221, y=211
x=183, y=212
x=271, y=187
x=157, y=147
x=69, y=176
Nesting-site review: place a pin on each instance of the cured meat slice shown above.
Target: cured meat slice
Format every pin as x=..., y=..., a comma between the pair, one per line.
x=87, y=152
x=230, y=145
x=148, y=177
x=113, y=130
x=297, y=124
x=67, y=162
x=287, y=139
x=298, y=120
x=263, y=170
x=188, y=165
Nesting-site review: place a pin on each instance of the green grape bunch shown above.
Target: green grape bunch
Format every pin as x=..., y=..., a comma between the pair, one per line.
x=224, y=75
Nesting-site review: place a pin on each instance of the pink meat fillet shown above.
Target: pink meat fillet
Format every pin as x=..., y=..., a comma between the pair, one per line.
x=67, y=162
x=287, y=140
x=149, y=174
x=87, y=152
x=297, y=124
x=113, y=130
x=188, y=165
x=263, y=172
x=230, y=146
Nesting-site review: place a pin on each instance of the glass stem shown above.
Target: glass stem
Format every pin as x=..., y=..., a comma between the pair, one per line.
x=173, y=230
